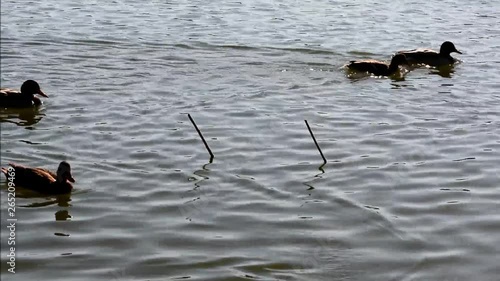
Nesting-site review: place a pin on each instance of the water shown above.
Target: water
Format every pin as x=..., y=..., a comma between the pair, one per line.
x=410, y=191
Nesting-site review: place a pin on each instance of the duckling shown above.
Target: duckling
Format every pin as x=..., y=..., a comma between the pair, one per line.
x=378, y=68
x=24, y=98
x=431, y=57
x=42, y=180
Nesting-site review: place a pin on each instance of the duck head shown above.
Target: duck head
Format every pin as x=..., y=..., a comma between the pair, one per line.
x=31, y=87
x=448, y=48
x=64, y=172
x=399, y=59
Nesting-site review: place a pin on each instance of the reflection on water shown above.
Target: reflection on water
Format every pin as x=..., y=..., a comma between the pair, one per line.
x=24, y=117
x=61, y=201
x=36, y=200
x=62, y=215
x=197, y=199
x=444, y=71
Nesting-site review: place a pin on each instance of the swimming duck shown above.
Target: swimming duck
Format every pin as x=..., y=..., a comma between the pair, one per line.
x=430, y=57
x=42, y=180
x=378, y=68
x=24, y=98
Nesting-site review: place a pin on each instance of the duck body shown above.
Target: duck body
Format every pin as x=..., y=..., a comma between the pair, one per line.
x=431, y=57
x=41, y=180
x=378, y=68
x=24, y=98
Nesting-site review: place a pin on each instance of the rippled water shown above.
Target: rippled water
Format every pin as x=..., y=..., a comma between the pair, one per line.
x=410, y=191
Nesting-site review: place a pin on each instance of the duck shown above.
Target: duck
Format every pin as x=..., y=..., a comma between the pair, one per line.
x=378, y=68
x=24, y=98
x=41, y=180
x=431, y=57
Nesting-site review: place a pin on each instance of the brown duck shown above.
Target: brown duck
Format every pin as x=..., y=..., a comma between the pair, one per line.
x=24, y=98
x=430, y=57
x=378, y=68
x=41, y=180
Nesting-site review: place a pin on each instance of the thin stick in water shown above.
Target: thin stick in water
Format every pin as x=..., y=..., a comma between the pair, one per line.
x=315, y=142
x=202, y=138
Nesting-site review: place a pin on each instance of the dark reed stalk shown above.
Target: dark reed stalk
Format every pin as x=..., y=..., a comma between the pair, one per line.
x=315, y=142
x=202, y=138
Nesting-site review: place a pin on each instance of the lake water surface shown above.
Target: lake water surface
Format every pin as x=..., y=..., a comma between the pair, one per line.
x=411, y=190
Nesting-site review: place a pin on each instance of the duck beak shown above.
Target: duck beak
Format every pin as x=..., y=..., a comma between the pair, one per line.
x=70, y=178
x=457, y=51
x=42, y=93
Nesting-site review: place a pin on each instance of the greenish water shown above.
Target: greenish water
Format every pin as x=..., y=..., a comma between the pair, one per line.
x=410, y=192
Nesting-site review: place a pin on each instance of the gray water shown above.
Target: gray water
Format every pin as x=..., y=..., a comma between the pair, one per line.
x=410, y=191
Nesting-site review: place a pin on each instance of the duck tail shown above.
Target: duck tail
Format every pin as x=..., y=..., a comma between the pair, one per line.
x=5, y=171
x=14, y=165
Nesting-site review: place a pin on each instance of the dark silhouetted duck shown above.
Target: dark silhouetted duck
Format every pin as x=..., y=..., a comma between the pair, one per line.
x=24, y=98
x=378, y=68
x=41, y=180
x=430, y=57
